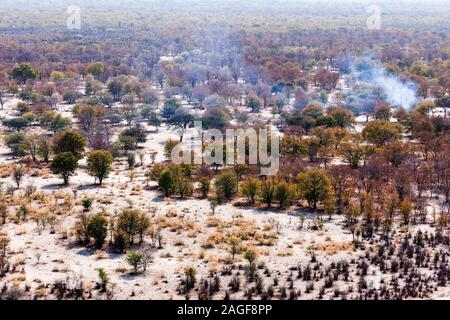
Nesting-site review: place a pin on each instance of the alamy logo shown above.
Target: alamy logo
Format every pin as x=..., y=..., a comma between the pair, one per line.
x=239, y=146
x=374, y=20
x=73, y=21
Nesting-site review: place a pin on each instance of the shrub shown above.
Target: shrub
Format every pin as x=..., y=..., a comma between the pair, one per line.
x=86, y=203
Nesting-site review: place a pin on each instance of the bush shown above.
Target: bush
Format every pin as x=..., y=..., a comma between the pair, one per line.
x=87, y=203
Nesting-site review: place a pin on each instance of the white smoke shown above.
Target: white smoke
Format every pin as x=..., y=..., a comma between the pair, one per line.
x=396, y=92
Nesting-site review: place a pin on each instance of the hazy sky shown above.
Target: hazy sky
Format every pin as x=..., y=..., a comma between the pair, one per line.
x=48, y=4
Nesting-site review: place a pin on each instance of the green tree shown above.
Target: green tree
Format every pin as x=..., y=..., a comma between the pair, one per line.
x=44, y=148
x=314, y=186
x=284, y=194
x=267, y=193
x=254, y=103
x=170, y=107
x=99, y=164
x=15, y=141
x=22, y=72
x=343, y=118
x=64, y=164
x=250, y=190
x=69, y=141
x=97, y=69
x=380, y=132
x=226, y=186
x=166, y=182
x=134, y=259
x=97, y=228
x=128, y=222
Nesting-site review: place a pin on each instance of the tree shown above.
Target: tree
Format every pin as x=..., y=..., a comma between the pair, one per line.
x=250, y=190
x=204, y=186
x=53, y=121
x=97, y=69
x=343, y=118
x=215, y=118
x=314, y=186
x=166, y=182
x=22, y=72
x=17, y=123
x=352, y=153
x=444, y=103
x=150, y=96
x=342, y=183
x=284, y=194
x=115, y=87
x=64, y=164
x=383, y=112
x=3, y=92
x=405, y=210
x=15, y=141
x=380, y=132
x=143, y=224
x=181, y=119
x=254, y=103
x=170, y=106
x=99, y=164
x=17, y=173
x=134, y=259
x=69, y=141
x=154, y=120
x=31, y=143
x=226, y=186
x=147, y=257
x=396, y=152
x=44, y=148
x=97, y=228
x=128, y=221
x=267, y=193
